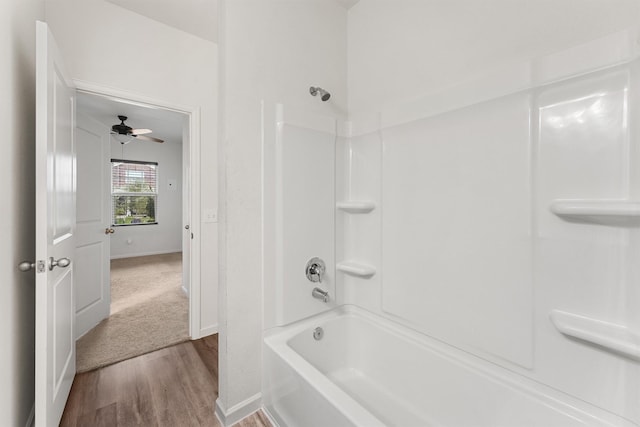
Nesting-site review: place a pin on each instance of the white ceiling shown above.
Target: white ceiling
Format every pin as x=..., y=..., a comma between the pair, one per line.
x=348, y=4
x=165, y=124
x=197, y=17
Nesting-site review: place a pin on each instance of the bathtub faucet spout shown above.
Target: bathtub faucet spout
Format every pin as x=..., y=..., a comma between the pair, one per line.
x=320, y=294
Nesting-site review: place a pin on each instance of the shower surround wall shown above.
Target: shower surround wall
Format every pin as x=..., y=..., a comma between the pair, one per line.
x=305, y=152
x=508, y=230
x=505, y=219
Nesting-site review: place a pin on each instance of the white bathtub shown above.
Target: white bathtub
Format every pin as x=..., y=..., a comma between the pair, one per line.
x=368, y=371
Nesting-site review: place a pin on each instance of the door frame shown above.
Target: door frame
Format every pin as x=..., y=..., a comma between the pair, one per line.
x=194, y=148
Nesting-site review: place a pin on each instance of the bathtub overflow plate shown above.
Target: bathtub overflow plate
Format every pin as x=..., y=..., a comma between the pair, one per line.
x=318, y=333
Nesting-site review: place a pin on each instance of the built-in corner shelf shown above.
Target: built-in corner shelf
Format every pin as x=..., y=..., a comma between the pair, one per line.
x=606, y=212
x=356, y=269
x=610, y=336
x=362, y=206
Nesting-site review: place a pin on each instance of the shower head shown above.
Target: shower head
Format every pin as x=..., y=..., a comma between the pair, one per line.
x=324, y=95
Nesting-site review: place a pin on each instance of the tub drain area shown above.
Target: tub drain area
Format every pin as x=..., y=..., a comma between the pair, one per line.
x=318, y=333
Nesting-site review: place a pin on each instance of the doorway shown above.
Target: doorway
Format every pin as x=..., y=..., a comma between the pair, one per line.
x=142, y=299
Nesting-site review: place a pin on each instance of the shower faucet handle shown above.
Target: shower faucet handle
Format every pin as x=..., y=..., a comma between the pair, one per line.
x=315, y=270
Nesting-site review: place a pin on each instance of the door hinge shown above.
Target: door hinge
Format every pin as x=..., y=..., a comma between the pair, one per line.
x=41, y=266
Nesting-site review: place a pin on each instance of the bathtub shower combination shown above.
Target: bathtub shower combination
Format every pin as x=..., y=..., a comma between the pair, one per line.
x=471, y=259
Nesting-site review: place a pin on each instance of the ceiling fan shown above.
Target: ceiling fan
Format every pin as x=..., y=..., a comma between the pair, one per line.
x=127, y=131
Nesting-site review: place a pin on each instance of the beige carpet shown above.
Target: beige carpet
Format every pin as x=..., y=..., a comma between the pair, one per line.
x=149, y=311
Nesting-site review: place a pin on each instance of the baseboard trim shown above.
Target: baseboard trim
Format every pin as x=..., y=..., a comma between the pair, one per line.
x=238, y=412
x=270, y=417
x=32, y=416
x=209, y=330
x=172, y=251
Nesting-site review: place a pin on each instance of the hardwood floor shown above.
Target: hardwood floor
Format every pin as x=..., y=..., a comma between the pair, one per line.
x=174, y=387
x=207, y=348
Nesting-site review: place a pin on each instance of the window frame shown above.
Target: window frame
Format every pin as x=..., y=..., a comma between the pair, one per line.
x=155, y=194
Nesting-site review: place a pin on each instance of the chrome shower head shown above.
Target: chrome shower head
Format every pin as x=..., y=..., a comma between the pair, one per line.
x=324, y=95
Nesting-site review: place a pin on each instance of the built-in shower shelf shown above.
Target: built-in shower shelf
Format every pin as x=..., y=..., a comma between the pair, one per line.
x=362, y=206
x=607, y=212
x=612, y=337
x=356, y=269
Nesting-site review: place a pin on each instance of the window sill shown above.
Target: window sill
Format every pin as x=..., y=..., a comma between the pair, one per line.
x=129, y=225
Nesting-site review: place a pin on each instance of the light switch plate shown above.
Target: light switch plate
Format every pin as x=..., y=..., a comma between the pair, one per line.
x=210, y=215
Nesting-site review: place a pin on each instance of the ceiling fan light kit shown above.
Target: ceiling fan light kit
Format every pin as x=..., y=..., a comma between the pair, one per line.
x=125, y=134
x=122, y=139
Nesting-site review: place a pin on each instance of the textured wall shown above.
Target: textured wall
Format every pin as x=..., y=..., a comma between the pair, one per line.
x=17, y=112
x=272, y=51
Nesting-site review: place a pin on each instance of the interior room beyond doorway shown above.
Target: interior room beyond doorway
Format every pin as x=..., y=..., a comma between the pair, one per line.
x=132, y=209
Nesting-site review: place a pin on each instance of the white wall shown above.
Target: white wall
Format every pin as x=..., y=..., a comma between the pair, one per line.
x=110, y=46
x=17, y=115
x=166, y=236
x=403, y=50
x=272, y=51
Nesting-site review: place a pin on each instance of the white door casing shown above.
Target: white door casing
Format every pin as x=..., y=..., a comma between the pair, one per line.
x=93, y=223
x=196, y=330
x=55, y=231
x=186, y=211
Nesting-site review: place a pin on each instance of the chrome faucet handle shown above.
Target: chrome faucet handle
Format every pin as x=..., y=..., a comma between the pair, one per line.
x=315, y=270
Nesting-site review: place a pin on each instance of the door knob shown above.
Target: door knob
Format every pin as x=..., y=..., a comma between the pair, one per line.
x=109, y=230
x=25, y=266
x=62, y=263
x=186, y=227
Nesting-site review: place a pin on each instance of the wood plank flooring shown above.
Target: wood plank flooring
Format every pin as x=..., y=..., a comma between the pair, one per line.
x=173, y=387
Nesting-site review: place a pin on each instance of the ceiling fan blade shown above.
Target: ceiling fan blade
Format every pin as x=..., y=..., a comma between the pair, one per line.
x=148, y=138
x=140, y=131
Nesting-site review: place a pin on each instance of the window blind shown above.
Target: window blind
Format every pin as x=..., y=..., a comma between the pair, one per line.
x=134, y=192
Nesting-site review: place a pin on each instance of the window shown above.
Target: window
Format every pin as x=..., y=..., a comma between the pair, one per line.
x=134, y=192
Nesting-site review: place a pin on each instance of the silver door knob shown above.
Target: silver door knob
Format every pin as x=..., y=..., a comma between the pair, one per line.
x=62, y=263
x=186, y=227
x=109, y=230
x=25, y=266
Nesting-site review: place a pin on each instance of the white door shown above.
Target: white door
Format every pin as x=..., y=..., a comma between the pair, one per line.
x=93, y=224
x=55, y=232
